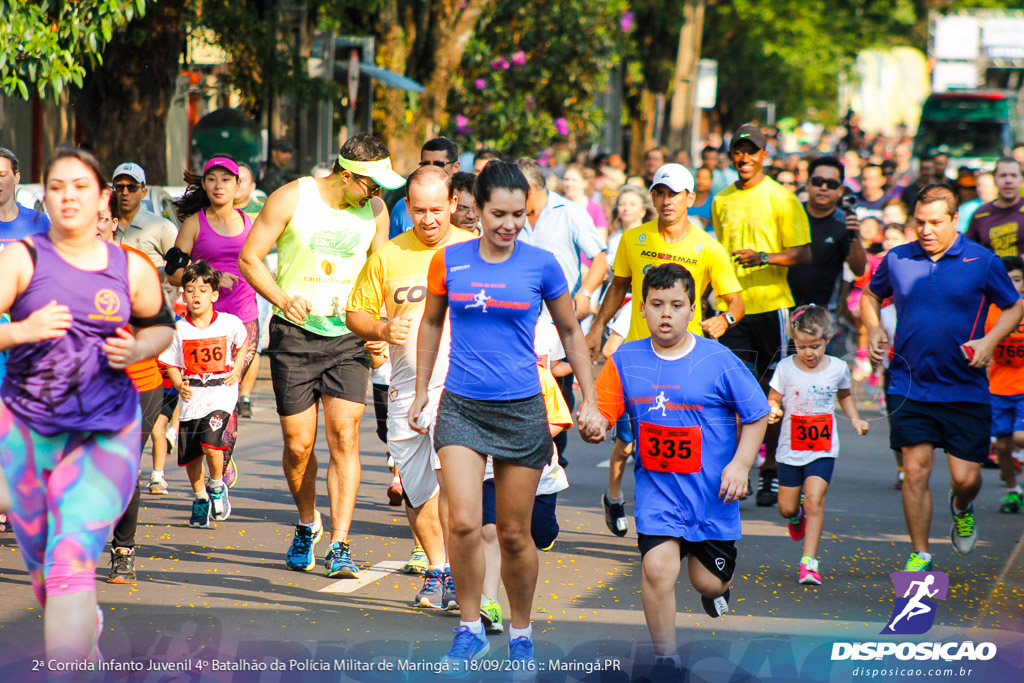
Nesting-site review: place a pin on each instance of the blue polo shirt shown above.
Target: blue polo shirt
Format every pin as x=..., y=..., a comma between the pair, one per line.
x=939, y=306
x=567, y=231
x=401, y=221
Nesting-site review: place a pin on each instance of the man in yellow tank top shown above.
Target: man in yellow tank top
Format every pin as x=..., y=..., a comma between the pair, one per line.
x=324, y=229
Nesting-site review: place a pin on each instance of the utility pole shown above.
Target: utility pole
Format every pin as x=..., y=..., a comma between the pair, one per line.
x=685, y=82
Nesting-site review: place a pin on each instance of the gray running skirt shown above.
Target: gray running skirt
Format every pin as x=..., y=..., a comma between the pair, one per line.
x=511, y=431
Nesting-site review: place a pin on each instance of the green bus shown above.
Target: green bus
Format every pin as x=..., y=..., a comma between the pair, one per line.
x=974, y=127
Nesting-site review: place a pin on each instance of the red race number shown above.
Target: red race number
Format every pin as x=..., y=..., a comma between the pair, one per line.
x=670, y=449
x=810, y=432
x=1010, y=353
x=205, y=356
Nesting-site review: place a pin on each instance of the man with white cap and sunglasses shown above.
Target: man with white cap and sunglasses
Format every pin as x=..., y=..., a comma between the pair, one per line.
x=671, y=238
x=324, y=229
x=151, y=234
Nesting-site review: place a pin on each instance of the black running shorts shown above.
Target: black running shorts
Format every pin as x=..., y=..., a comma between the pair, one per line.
x=304, y=366
x=718, y=556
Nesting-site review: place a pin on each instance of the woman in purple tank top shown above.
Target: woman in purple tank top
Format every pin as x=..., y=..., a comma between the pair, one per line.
x=69, y=442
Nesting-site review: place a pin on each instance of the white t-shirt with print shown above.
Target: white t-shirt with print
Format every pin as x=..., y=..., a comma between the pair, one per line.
x=205, y=356
x=808, y=393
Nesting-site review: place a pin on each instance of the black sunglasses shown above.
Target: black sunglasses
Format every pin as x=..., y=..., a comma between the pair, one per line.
x=436, y=162
x=828, y=183
x=372, y=188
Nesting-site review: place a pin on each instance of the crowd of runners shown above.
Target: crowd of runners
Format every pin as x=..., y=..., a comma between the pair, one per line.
x=716, y=305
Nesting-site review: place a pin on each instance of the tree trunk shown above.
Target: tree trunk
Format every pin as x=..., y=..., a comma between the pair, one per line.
x=122, y=107
x=685, y=82
x=435, y=60
x=643, y=131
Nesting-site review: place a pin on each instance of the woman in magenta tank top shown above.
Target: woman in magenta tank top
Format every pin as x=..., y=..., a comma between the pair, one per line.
x=69, y=420
x=214, y=231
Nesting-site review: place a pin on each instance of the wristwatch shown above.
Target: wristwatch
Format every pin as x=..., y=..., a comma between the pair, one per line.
x=729, y=318
x=763, y=257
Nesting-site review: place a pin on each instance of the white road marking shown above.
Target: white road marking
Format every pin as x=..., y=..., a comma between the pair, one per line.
x=366, y=577
x=604, y=463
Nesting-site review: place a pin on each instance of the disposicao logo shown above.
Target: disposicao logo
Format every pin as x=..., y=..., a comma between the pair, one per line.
x=914, y=614
x=914, y=611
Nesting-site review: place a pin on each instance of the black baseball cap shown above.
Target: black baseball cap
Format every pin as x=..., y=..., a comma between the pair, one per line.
x=281, y=145
x=751, y=133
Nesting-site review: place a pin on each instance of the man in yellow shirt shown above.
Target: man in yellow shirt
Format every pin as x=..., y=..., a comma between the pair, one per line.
x=669, y=239
x=394, y=280
x=765, y=229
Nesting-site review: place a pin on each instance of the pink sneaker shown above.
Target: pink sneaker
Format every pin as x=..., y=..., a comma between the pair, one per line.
x=809, y=572
x=796, y=531
x=395, y=493
x=761, y=454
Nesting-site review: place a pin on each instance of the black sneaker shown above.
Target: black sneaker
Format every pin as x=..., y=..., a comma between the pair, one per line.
x=245, y=407
x=615, y=516
x=768, y=493
x=716, y=607
x=122, y=566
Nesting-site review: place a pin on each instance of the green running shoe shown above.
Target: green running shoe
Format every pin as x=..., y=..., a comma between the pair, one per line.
x=916, y=563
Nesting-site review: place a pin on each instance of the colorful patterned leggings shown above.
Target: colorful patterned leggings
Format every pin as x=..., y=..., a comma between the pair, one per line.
x=68, y=491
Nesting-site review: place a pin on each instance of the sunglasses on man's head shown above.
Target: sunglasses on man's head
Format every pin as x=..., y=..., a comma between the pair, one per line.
x=827, y=183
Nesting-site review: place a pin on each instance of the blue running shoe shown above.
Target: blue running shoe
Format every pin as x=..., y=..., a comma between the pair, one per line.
x=522, y=667
x=466, y=647
x=301, y=556
x=200, y=518
x=433, y=590
x=220, y=503
x=339, y=562
x=448, y=599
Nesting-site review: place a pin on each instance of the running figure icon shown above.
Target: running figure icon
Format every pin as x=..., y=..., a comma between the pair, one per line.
x=915, y=606
x=660, y=405
x=479, y=300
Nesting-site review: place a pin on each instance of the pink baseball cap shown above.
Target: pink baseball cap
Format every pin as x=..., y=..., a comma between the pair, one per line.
x=223, y=162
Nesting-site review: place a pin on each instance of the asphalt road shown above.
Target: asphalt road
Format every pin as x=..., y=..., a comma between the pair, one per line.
x=219, y=605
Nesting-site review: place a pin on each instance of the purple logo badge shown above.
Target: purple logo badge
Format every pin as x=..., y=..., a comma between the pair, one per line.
x=914, y=611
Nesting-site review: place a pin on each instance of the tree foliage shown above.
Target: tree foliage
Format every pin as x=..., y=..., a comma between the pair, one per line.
x=792, y=52
x=121, y=108
x=262, y=62
x=46, y=45
x=424, y=41
x=532, y=71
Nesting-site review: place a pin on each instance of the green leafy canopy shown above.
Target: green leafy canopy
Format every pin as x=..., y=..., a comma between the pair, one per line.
x=47, y=44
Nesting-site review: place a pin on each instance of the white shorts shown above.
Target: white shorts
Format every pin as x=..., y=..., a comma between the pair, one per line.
x=622, y=319
x=413, y=452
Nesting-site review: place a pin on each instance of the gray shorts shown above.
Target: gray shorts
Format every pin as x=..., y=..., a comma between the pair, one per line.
x=511, y=431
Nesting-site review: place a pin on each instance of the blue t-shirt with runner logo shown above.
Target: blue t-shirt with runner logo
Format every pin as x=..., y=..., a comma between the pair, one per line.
x=493, y=310
x=683, y=412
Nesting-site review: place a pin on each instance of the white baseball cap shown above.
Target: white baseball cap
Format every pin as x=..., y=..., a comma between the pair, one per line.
x=675, y=177
x=132, y=171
